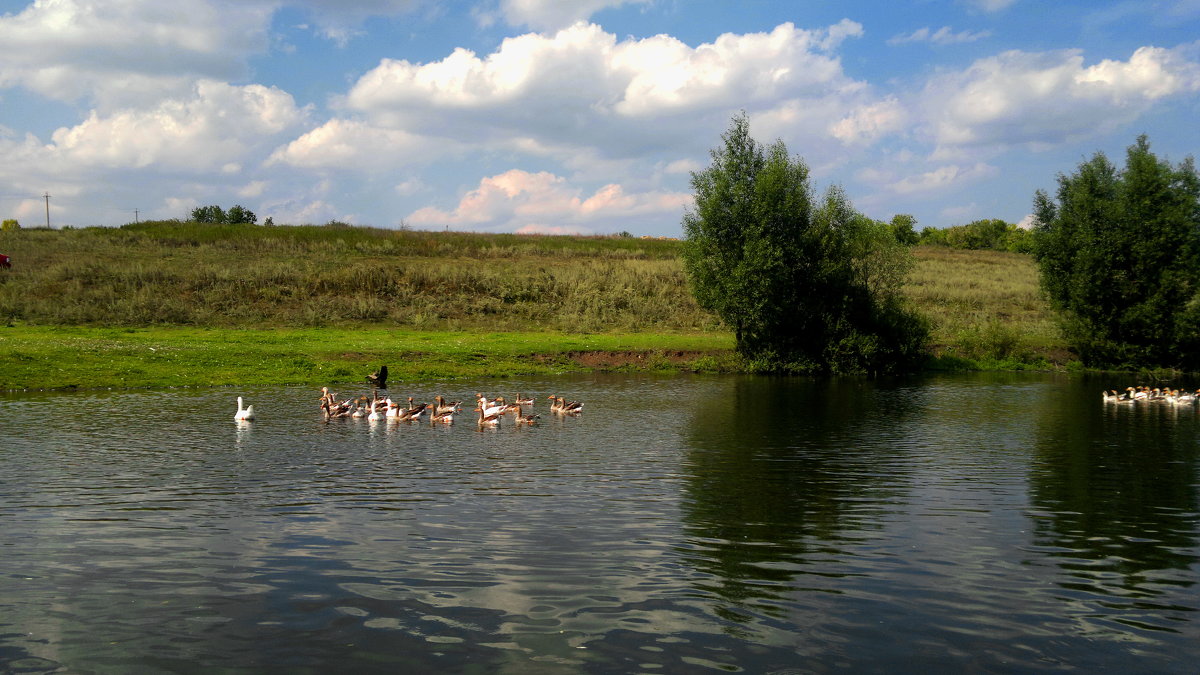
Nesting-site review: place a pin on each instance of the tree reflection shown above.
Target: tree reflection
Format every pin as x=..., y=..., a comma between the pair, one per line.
x=1114, y=486
x=779, y=477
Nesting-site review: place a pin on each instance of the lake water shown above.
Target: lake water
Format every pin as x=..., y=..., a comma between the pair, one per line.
x=976, y=523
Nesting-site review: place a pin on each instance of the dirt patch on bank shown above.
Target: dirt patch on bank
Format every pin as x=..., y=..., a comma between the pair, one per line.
x=607, y=360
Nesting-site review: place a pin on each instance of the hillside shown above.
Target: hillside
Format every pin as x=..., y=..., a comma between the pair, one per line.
x=985, y=304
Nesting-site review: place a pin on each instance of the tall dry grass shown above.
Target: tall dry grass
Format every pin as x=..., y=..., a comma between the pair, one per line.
x=984, y=305
x=247, y=276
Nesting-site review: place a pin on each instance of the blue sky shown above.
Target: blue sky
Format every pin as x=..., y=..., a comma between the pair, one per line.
x=571, y=117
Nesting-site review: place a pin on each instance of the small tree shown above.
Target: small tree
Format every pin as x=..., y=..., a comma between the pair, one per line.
x=10, y=224
x=904, y=229
x=209, y=214
x=1119, y=255
x=804, y=288
x=240, y=215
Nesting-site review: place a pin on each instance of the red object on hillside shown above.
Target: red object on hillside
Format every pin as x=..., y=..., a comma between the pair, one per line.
x=4, y=261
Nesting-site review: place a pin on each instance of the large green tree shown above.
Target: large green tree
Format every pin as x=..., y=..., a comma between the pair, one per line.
x=805, y=284
x=1119, y=254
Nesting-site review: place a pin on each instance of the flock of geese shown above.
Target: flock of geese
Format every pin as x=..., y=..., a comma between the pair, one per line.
x=490, y=411
x=1148, y=395
x=441, y=411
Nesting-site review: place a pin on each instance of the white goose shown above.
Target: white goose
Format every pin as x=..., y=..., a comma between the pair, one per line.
x=376, y=413
x=489, y=420
x=246, y=413
x=489, y=410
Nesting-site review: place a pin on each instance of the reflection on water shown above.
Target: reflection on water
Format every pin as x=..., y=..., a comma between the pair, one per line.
x=1116, y=493
x=992, y=523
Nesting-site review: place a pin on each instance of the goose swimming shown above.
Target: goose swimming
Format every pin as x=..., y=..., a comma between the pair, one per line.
x=246, y=413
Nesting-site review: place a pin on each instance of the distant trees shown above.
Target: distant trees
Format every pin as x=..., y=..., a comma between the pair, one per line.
x=209, y=214
x=988, y=233
x=10, y=224
x=1119, y=255
x=806, y=285
x=240, y=214
x=216, y=215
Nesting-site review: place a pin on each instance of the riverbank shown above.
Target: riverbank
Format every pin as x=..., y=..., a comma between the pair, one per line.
x=48, y=357
x=182, y=304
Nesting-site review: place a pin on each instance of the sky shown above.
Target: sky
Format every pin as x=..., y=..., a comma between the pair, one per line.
x=572, y=117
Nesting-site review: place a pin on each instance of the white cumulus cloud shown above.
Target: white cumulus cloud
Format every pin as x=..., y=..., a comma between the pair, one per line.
x=212, y=129
x=584, y=98
x=519, y=199
x=123, y=51
x=1049, y=98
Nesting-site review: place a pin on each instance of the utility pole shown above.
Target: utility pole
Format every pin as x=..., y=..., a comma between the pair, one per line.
x=47, y=196
x=135, y=216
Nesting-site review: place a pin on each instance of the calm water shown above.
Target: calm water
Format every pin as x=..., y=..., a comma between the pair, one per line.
x=1007, y=524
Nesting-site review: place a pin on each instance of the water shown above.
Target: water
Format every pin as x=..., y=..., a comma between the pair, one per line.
x=982, y=523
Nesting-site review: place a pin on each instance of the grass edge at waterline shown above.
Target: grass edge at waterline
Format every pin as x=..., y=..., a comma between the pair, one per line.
x=55, y=357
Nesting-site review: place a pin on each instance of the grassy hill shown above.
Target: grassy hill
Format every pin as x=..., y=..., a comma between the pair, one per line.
x=161, y=278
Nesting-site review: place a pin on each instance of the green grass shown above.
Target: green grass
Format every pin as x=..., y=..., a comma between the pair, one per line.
x=986, y=307
x=159, y=304
x=65, y=357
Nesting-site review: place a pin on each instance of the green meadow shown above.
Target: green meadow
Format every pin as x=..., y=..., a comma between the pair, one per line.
x=183, y=304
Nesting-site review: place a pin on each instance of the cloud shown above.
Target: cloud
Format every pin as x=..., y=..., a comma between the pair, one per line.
x=553, y=229
x=584, y=98
x=959, y=213
x=120, y=52
x=870, y=122
x=993, y=5
x=1049, y=98
x=519, y=199
x=351, y=144
x=942, y=178
x=683, y=166
x=215, y=128
x=555, y=14
x=942, y=36
x=252, y=189
x=340, y=20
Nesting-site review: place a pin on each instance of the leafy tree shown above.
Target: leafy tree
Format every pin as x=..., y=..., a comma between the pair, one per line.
x=804, y=286
x=10, y=224
x=240, y=214
x=904, y=229
x=1119, y=254
x=210, y=214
